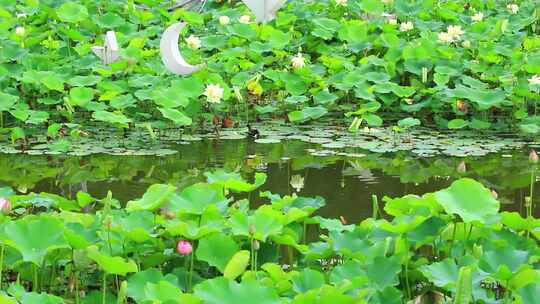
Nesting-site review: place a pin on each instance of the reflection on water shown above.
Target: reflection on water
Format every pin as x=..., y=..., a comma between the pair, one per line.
x=347, y=183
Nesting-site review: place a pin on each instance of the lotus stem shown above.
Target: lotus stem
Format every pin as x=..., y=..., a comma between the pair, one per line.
x=190, y=277
x=1, y=263
x=375, y=202
x=104, y=289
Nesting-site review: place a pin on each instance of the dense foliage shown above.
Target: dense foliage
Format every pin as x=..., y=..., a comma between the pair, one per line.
x=201, y=245
x=456, y=64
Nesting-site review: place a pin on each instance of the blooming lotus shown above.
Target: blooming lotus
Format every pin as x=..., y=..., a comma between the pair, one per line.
x=455, y=31
x=20, y=31
x=406, y=26
x=213, y=93
x=462, y=167
x=534, y=80
x=533, y=157
x=298, y=61
x=297, y=182
x=193, y=42
x=224, y=20
x=444, y=37
x=341, y=2
x=245, y=19
x=512, y=8
x=478, y=17
x=184, y=247
x=5, y=205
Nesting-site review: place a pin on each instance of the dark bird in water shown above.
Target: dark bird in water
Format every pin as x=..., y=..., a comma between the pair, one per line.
x=253, y=132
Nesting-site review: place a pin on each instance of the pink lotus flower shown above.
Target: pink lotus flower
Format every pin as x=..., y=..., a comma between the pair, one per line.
x=533, y=157
x=5, y=205
x=184, y=247
x=462, y=167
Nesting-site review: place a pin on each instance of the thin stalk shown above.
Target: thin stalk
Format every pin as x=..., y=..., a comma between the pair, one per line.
x=533, y=177
x=1, y=264
x=35, y=282
x=104, y=289
x=190, y=278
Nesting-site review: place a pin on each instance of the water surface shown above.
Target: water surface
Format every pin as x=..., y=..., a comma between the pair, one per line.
x=346, y=182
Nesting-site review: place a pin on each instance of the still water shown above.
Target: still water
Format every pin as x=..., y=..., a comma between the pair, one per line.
x=347, y=183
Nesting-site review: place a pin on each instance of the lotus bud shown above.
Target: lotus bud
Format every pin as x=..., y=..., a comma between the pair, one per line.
x=462, y=167
x=184, y=247
x=462, y=106
x=252, y=229
x=343, y=220
x=5, y=205
x=494, y=194
x=477, y=251
x=20, y=31
x=466, y=44
x=256, y=245
x=533, y=157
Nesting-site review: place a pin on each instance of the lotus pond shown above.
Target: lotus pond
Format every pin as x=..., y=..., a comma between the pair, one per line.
x=283, y=220
x=329, y=151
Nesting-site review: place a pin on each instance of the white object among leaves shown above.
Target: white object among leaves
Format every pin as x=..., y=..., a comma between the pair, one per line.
x=264, y=10
x=109, y=52
x=170, y=53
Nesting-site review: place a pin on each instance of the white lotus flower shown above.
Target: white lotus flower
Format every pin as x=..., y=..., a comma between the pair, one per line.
x=341, y=2
x=297, y=182
x=20, y=31
x=478, y=17
x=534, y=80
x=444, y=37
x=455, y=31
x=213, y=93
x=193, y=42
x=21, y=15
x=406, y=26
x=513, y=8
x=298, y=61
x=224, y=20
x=245, y=19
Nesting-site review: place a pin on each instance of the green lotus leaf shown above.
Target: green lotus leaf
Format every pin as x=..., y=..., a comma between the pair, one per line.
x=72, y=12
x=111, y=265
x=457, y=123
x=137, y=282
x=26, y=235
x=80, y=96
x=227, y=291
x=443, y=274
x=503, y=262
x=264, y=222
x=237, y=264
x=154, y=197
x=530, y=293
x=383, y=272
x=234, y=181
x=196, y=198
x=217, y=250
x=306, y=280
x=178, y=117
x=7, y=101
x=112, y=118
x=470, y=200
x=350, y=271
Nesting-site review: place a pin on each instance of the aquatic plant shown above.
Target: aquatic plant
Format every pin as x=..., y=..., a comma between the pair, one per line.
x=453, y=245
